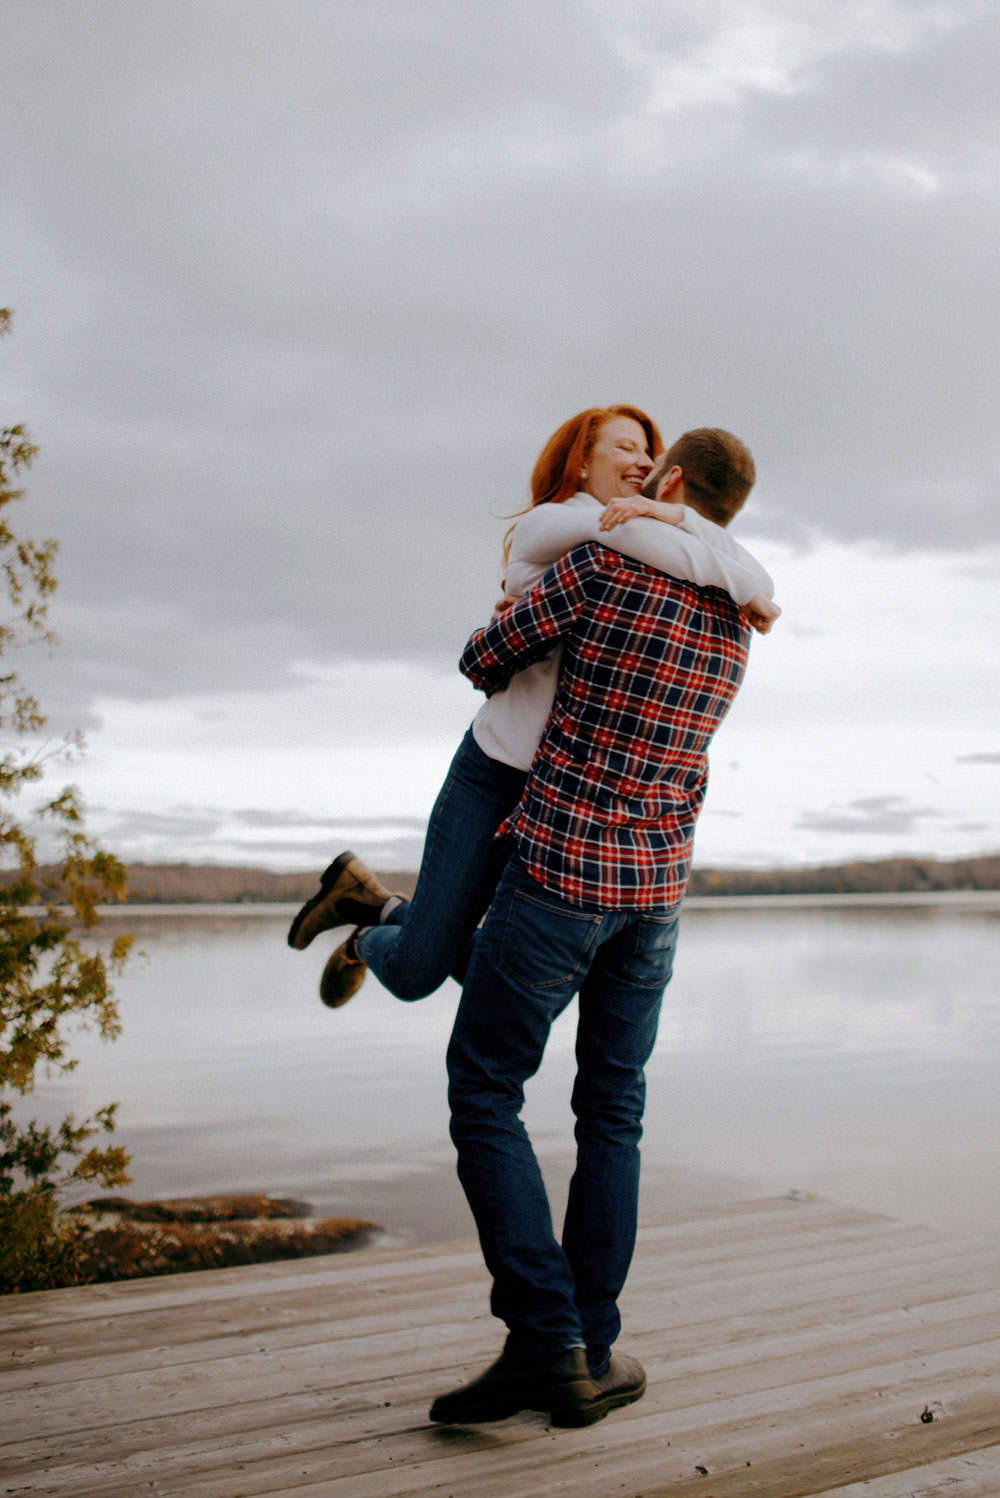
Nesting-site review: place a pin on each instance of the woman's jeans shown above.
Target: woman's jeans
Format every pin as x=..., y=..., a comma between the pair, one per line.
x=427, y=939
x=533, y=954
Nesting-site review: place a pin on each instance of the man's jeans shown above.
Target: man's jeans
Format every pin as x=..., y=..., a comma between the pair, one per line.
x=532, y=955
x=429, y=937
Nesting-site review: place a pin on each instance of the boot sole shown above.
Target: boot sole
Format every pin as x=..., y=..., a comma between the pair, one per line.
x=540, y=1402
x=327, y=879
x=603, y=1405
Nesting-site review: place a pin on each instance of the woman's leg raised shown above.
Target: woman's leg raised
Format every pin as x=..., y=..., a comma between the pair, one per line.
x=427, y=939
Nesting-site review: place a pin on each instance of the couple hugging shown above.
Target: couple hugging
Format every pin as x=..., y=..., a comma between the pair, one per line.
x=555, y=863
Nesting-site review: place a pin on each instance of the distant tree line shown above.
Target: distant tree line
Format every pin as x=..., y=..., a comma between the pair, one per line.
x=202, y=884
x=880, y=876
x=224, y=884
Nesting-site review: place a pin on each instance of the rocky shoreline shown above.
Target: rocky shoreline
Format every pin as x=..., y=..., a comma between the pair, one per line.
x=122, y=1239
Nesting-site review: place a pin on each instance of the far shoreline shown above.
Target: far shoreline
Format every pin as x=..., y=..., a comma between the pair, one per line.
x=219, y=884
x=980, y=898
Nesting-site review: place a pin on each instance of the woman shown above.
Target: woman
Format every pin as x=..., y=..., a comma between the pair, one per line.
x=585, y=487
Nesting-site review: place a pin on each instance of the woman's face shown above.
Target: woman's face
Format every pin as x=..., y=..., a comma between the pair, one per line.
x=619, y=461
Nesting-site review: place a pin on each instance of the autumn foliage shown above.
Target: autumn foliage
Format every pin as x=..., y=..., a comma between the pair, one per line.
x=55, y=975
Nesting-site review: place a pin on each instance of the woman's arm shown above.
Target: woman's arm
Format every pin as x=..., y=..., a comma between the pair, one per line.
x=760, y=608
x=546, y=532
x=616, y=511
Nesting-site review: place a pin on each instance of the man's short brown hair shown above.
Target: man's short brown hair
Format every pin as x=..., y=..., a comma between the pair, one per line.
x=718, y=471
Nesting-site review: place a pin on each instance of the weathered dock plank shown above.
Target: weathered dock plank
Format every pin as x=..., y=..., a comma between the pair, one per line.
x=791, y=1349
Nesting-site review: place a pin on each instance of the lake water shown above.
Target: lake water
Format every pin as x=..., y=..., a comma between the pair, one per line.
x=847, y=1049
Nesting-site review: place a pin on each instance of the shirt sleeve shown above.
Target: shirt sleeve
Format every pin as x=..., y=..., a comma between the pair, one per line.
x=699, y=552
x=528, y=631
x=541, y=537
x=721, y=542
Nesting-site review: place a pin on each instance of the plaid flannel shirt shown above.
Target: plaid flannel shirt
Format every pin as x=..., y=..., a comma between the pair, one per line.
x=651, y=665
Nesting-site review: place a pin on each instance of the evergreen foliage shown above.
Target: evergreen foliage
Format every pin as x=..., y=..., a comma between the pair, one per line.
x=55, y=975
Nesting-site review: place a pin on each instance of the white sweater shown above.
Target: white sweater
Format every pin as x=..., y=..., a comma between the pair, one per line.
x=510, y=724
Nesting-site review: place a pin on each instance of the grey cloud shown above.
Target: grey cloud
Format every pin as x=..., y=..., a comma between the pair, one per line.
x=251, y=817
x=205, y=836
x=183, y=821
x=298, y=305
x=930, y=102
x=127, y=825
x=309, y=851
x=986, y=757
x=882, y=815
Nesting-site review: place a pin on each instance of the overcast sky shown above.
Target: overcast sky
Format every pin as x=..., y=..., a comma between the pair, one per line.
x=300, y=287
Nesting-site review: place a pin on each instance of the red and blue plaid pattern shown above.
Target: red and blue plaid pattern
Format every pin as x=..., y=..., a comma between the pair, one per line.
x=651, y=665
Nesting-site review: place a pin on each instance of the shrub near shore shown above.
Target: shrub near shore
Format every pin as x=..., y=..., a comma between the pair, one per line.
x=121, y=1239
x=50, y=982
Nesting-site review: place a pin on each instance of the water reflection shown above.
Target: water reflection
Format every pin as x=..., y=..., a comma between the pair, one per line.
x=843, y=1049
x=916, y=979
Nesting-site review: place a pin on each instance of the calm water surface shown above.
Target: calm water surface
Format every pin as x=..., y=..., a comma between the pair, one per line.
x=850, y=1050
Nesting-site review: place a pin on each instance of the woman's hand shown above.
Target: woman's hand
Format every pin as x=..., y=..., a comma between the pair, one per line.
x=506, y=602
x=762, y=612
x=617, y=511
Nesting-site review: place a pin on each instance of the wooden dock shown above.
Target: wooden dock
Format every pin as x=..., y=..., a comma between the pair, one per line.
x=792, y=1347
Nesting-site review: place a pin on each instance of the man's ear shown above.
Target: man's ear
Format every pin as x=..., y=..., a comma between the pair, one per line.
x=669, y=482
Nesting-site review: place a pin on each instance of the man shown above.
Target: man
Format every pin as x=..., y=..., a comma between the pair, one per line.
x=588, y=905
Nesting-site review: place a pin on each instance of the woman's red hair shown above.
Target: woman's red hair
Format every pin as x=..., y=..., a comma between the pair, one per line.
x=557, y=473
